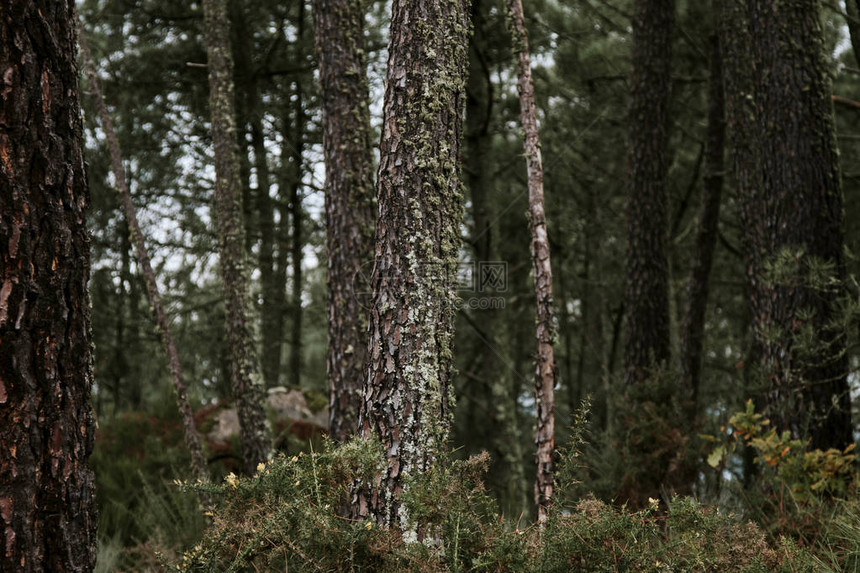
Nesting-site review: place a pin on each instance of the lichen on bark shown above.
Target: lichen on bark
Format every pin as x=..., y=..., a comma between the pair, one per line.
x=408, y=398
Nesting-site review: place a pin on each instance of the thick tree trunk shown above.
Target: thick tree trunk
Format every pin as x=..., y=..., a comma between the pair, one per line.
x=47, y=430
x=407, y=393
x=545, y=369
x=245, y=377
x=791, y=210
x=647, y=341
x=693, y=325
x=192, y=437
x=350, y=200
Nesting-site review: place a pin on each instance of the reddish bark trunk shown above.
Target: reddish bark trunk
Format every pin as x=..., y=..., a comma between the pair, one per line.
x=47, y=504
x=545, y=369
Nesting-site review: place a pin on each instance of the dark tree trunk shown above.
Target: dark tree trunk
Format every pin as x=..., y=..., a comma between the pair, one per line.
x=350, y=200
x=247, y=386
x=257, y=200
x=790, y=198
x=545, y=332
x=192, y=436
x=693, y=325
x=499, y=429
x=47, y=430
x=852, y=9
x=647, y=341
x=407, y=394
x=297, y=215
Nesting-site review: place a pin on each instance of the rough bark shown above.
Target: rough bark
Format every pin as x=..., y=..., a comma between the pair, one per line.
x=47, y=430
x=350, y=200
x=245, y=378
x=647, y=340
x=545, y=367
x=693, y=325
x=192, y=436
x=407, y=393
x=790, y=199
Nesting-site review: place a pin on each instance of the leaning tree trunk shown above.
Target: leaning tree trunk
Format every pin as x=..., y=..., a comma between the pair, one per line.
x=647, y=342
x=192, y=436
x=693, y=325
x=407, y=393
x=349, y=200
x=792, y=218
x=545, y=370
x=47, y=430
x=247, y=386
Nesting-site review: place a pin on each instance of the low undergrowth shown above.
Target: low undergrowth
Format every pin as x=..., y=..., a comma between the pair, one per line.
x=288, y=517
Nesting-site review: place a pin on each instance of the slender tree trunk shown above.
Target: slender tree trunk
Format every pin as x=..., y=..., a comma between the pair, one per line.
x=545, y=370
x=350, y=200
x=647, y=342
x=119, y=367
x=693, y=324
x=407, y=394
x=852, y=9
x=258, y=200
x=47, y=430
x=192, y=437
x=792, y=219
x=247, y=387
x=297, y=216
x=244, y=75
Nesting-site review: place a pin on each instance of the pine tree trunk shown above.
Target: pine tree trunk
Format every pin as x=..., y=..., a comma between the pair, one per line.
x=245, y=377
x=350, y=200
x=852, y=9
x=647, y=341
x=47, y=430
x=545, y=370
x=790, y=197
x=407, y=393
x=257, y=199
x=693, y=325
x=297, y=215
x=192, y=437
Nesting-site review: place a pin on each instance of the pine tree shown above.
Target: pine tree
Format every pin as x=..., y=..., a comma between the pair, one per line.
x=790, y=199
x=246, y=382
x=545, y=371
x=647, y=303
x=407, y=393
x=350, y=200
x=47, y=491
x=192, y=436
